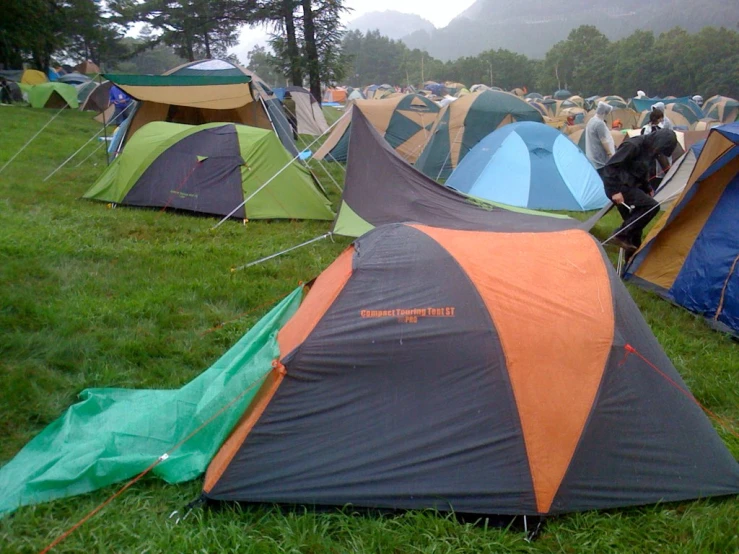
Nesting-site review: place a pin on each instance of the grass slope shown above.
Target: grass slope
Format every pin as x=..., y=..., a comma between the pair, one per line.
x=92, y=297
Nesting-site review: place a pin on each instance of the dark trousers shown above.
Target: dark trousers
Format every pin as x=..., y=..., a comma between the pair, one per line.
x=644, y=210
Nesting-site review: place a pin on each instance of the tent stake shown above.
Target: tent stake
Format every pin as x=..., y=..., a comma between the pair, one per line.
x=31, y=139
x=257, y=262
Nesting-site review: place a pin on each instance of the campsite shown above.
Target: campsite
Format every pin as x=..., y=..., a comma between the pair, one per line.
x=245, y=312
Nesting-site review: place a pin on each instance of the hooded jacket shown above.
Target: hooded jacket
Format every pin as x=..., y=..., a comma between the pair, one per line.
x=630, y=165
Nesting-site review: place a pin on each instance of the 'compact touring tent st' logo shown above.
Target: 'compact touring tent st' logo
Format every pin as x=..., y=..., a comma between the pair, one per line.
x=409, y=315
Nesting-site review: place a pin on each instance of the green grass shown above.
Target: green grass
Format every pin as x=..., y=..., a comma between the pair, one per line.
x=92, y=296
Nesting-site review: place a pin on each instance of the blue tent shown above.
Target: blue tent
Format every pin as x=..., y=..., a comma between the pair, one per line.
x=691, y=256
x=530, y=165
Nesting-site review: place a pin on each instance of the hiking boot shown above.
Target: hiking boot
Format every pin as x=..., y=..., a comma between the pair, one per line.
x=628, y=248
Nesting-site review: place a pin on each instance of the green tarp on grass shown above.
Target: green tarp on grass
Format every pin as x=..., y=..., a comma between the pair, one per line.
x=112, y=435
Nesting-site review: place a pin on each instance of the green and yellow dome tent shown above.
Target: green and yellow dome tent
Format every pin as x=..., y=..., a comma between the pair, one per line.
x=211, y=169
x=53, y=95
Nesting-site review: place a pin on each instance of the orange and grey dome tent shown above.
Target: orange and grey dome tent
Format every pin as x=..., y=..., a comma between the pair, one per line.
x=471, y=371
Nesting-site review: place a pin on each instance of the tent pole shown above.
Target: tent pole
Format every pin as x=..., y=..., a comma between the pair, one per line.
x=257, y=262
x=305, y=147
x=107, y=157
x=253, y=194
x=449, y=154
x=31, y=139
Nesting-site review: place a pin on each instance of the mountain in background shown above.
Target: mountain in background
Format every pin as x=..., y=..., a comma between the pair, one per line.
x=391, y=24
x=534, y=26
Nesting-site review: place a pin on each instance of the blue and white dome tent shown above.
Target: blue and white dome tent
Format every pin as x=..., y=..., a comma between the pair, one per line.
x=530, y=165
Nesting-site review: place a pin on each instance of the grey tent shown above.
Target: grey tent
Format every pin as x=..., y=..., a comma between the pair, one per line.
x=677, y=177
x=307, y=112
x=74, y=79
x=99, y=99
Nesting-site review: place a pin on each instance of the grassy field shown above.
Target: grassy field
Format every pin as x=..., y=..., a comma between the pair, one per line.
x=92, y=296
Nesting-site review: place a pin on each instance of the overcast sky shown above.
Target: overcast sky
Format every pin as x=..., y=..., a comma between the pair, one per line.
x=438, y=12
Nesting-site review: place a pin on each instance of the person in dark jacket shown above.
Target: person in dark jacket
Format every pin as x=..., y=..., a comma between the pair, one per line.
x=627, y=183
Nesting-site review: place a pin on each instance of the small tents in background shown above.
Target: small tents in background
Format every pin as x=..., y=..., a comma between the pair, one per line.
x=28, y=77
x=53, y=95
x=705, y=124
x=84, y=90
x=616, y=102
x=337, y=95
x=562, y=94
x=74, y=79
x=682, y=116
x=355, y=94
x=404, y=121
x=578, y=137
x=87, y=68
x=372, y=403
x=722, y=108
x=211, y=169
x=530, y=165
x=33, y=77
x=691, y=256
x=99, y=98
x=462, y=124
x=628, y=118
x=309, y=115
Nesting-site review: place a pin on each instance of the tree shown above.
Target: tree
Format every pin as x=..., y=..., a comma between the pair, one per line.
x=194, y=28
x=633, y=64
x=145, y=58
x=30, y=31
x=90, y=34
x=580, y=63
x=285, y=41
x=307, y=40
x=265, y=65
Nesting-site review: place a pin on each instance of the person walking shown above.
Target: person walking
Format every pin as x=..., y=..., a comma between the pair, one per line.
x=626, y=182
x=599, y=145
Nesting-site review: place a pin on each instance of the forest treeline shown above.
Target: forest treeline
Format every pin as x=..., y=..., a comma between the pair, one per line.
x=587, y=63
x=309, y=47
